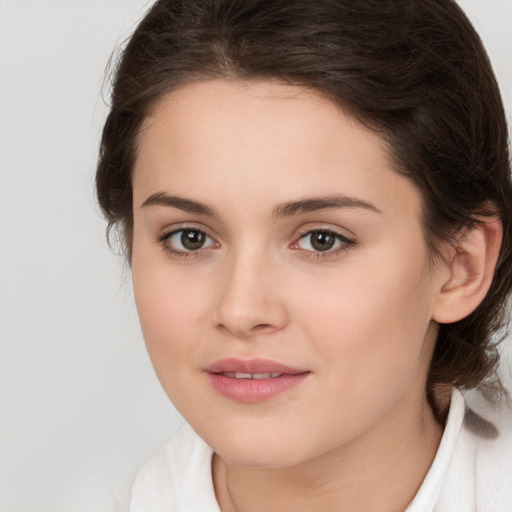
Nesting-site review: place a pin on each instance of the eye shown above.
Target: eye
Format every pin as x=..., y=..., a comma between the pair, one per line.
x=187, y=240
x=323, y=240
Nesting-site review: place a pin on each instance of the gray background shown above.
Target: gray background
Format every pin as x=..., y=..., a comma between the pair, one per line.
x=80, y=406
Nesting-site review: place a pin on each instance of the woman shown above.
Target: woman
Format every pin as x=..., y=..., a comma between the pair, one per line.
x=316, y=204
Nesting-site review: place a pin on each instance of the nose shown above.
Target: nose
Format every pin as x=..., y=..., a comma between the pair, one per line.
x=250, y=300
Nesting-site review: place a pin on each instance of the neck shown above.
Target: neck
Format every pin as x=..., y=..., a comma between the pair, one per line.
x=381, y=470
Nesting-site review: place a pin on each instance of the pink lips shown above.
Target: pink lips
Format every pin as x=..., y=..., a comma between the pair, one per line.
x=253, y=380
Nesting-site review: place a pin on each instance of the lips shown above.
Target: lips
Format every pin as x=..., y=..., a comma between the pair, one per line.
x=253, y=380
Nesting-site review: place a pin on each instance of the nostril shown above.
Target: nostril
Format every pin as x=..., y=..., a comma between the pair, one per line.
x=243, y=333
x=262, y=328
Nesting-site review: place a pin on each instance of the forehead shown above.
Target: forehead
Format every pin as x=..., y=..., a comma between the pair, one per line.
x=262, y=141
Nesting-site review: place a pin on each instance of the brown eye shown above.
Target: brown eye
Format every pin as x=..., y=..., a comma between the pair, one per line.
x=192, y=239
x=188, y=240
x=323, y=241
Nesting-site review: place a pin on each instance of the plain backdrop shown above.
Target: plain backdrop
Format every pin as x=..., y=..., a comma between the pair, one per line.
x=80, y=406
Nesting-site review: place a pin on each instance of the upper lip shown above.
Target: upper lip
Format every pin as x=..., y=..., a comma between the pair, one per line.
x=259, y=365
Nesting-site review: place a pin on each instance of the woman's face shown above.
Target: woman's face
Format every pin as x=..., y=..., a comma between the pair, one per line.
x=280, y=272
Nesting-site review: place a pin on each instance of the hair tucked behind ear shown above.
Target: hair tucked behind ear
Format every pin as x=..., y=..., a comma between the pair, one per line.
x=414, y=70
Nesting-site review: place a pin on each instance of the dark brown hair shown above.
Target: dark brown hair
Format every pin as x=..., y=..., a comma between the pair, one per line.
x=414, y=70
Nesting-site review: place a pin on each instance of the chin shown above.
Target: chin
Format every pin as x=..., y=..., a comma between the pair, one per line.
x=257, y=448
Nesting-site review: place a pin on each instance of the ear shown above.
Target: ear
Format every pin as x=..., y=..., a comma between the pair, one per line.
x=471, y=266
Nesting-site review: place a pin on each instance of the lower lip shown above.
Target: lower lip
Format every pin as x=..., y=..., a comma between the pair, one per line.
x=254, y=390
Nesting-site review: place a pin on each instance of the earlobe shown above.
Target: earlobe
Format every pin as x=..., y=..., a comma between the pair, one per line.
x=470, y=273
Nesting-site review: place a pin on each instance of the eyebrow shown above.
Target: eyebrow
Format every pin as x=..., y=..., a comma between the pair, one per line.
x=287, y=209
x=187, y=205
x=314, y=204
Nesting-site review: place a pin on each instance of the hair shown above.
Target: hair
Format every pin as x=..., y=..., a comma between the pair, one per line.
x=415, y=71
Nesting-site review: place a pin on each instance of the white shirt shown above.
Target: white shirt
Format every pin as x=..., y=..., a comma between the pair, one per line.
x=471, y=472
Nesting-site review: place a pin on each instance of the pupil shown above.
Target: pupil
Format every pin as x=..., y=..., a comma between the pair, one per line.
x=322, y=241
x=192, y=240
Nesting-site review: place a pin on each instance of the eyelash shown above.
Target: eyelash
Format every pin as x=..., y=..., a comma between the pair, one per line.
x=164, y=238
x=345, y=243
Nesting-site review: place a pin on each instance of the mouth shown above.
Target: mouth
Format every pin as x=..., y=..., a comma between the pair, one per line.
x=254, y=380
x=255, y=376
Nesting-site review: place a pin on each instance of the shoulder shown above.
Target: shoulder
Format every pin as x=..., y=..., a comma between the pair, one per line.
x=177, y=477
x=487, y=432
x=481, y=465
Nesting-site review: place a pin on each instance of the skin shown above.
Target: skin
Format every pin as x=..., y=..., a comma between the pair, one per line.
x=359, y=317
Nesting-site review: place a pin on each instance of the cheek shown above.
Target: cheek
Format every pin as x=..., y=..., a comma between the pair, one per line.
x=170, y=312
x=371, y=321
x=370, y=334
